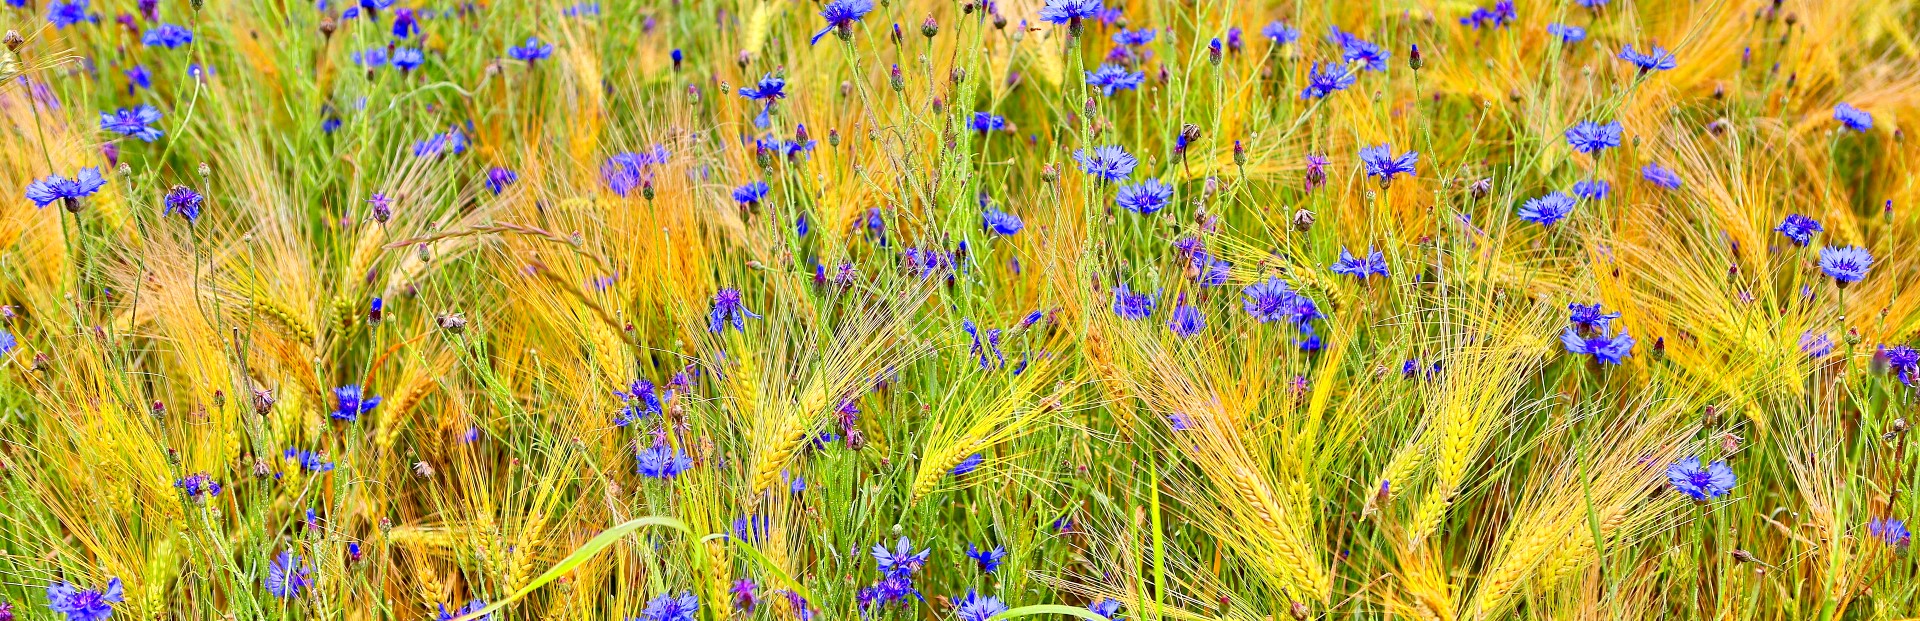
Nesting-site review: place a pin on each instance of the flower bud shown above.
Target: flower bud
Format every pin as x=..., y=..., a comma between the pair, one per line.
x=929, y=27
x=1413, y=58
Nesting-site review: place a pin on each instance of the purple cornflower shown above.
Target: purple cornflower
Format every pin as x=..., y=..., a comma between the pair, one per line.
x=977, y=608
x=1655, y=59
x=286, y=575
x=1356, y=49
x=1713, y=481
x=381, y=206
x=769, y=88
x=1567, y=33
x=1381, y=163
x=1547, y=210
x=1660, y=176
x=1904, y=362
x=84, y=605
x=184, y=201
x=1589, y=318
x=1799, y=228
x=746, y=594
x=925, y=262
x=1852, y=118
x=1591, y=137
x=670, y=607
x=1891, y=531
x=1845, y=265
x=499, y=178
x=407, y=59
x=404, y=23
x=533, y=50
x=1187, y=320
x=1130, y=305
x=198, y=486
x=640, y=400
x=901, y=560
x=70, y=191
x=985, y=122
x=1145, y=197
x=1816, y=344
x=1592, y=189
x=727, y=309
x=662, y=462
x=1280, y=33
x=840, y=16
x=1109, y=163
x=350, y=403
x=458, y=611
x=64, y=14
x=134, y=122
x=1374, y=265
x=167, y=36
x=989, y=560
x=1069, y=12
x=1316, y=174
x=1272, y=300
x=1000, y=222
x=1499, y=15
x=970, y=464
x=752, y=193
x=1324, y=81
x=1110, y=78
x=1604, y=349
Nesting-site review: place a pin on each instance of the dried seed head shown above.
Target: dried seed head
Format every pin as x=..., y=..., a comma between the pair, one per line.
x=1303, y=220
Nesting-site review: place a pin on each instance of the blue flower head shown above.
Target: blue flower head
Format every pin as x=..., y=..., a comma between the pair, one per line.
x=1145, y=197
x=1130, y=305
x=349, y=403
x=1381, y=163
x=977, y=608
x=751, y=193
x=1374, y=265
x=1134, y=38
x=901, y=560
x=1069, y=12
x=989, y=560
x=1816, y=344
x=1713, y=481
x=405, y=24
x=57, y=188
x=1890, y=531
x=1000, y=222
x=286, y=575
x=1324, y=81
x=408, y=59
x=1497, y=16
x=1547, y=210
x=1591, y=137
x=1110, y=78
x=670, y=607
x=1272, y=300
x=985, y=122
x=1567, y=33
x=662, y=462
x=1592, y=189
x=1355, y=49
x=1186, y=320
x=184, y=201
x=533, y=50
x=1655, y=59
x=769, y=88
x=135, y=122
x=1852, y=118
x=458, y=611
x=641, y=399
x=1604, y=349
x=167, y=36
x=1109, y=608
x=87, y=604
x=840, y=15
x=1799, y=228
x=1845, y=265
x=1660, y=176
x=1589, y=318
x=1109, y=163
x=728, y=310
x=968, y=465
x=1904, y=362
x=499, y=178
x=64, y=14
x=1280, y=33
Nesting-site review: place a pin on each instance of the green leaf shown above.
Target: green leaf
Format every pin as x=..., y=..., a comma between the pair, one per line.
x=1050, y=609
x=579, y=557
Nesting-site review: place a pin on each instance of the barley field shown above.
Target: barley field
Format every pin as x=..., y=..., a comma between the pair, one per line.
x=1142, y=310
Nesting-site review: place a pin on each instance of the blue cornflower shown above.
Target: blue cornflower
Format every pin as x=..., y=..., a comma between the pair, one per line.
x=1355, y=49
x=1381, y=163
x=1799, y=228
x=1816, y=344
x=1187, y=320
x=1713, y=481
x=1273, y=300
x=988, y=351
x=84, y=605
x=1853, y=118
x=135, y=122
x=408, y=59
x=198, y=485
x=1109, y=608
x=976, y=608
x=7, y=342
x=1280, y=33
x=901, y=560
x=1110, y=78
x=1891, y=531
x=499, y=178
x=532, y=51
x=1656, y=59
x=1499, y=15
x=70, y=191
x=1660, y=176
x=1604, y=349
x=404, y=24
x=1000, y=222
x=138, y=78
x=970, y=464
x=641, y=399
x=1130, y=305
x=64, y=14
x=1845, y=265
x=984, y=122
x=662, y=462
x=1567, y=33
x=286, y=575
x=1374, y=265
x=925, y=262
x=1591, y=137
x=458, y=611
x=1322, y=82
x=350, y=403
x=1145, y=197
x=167, y=36
x=184, y=201
x=1547, y=210
x=751, y=193
x=371, y=57
x=1904, y=362
x=1109, y=163
x=450, y=142
x=769, y=88
x=309, y=460
x=1069, y=11
x=1589, y=318
x=1592, y=189
x=989, y=560
x=1134, y=38
x=840, y=15
x=374, y=7
x=670, y=607
x=727, y=309
x=625, y=171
